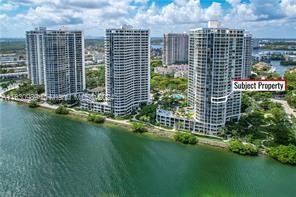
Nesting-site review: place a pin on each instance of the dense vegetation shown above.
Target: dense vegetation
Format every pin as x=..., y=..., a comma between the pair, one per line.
x=26, y=88
x=266, y=121
x=62, y=110
x=291, y=98
x=237, y=146
x=155, y=63
x=278, y=46
x=4, y=71
x=138, y=127
x=147, y=113
x=4, y=84
x=95, y=78
x=290, y=76
x=12, y=46
x=33, y=104
x=96, y=118
x=185, y=138
x=284, y=154
x=160, y=82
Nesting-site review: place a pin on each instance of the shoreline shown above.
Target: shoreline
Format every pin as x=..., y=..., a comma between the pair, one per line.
x=153, y=131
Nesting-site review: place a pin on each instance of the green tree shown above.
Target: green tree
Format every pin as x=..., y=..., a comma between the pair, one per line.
x=95, y=78
x=281, y=128
x=185, y=138
x=147, y=113
x=246, y=102
x=284, y=154
x=96, y=118
x=4, y=85
x=138, y=128
x=33, y=104
x=62, y=110
x=237, y=146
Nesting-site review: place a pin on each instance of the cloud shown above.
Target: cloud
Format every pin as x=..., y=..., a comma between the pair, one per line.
x=94, y=16
x=8, y=6
x=289, y=7
x=47, y=16
x=178, y=12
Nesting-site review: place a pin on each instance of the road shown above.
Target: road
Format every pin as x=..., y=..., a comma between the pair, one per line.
x=289, y=110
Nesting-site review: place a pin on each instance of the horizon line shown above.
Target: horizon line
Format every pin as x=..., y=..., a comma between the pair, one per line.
x=97, y=37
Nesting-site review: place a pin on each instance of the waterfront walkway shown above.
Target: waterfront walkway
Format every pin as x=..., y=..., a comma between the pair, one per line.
x=156, y=130
x=288, y=109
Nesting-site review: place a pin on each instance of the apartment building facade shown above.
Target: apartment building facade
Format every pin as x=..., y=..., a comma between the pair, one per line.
x=175, y=48
x=127, y=63
x=216, y=57
x=35, y=55
x=127, y=72
x=56, y=59
x=248, y=47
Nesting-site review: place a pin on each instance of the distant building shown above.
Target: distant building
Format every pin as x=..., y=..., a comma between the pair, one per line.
x=175, y=48
x=17, y=75
x=290, y=58
x=255, y=43
x=179, y=70
x=127, y=65
x=11, y=58
x=56, y=59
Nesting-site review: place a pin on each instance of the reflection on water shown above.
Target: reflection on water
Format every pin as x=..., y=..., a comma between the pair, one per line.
x=44, y=154
x=281, y=69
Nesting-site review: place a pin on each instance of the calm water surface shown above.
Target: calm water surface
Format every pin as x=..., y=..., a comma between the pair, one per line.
x=43, y=154
x=279, y=68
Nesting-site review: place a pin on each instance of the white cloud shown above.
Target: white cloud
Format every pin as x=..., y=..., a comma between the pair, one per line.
x=233, y=2
x=289, y=7
x=94, y=16
x=214, y=12
x=178, y=12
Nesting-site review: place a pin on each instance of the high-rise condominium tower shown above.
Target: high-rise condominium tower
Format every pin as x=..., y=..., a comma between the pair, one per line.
x=175, y=48
x=216, y=57
x=127, y=59
x=35, y=55
x=56, y=58
x=248, y=46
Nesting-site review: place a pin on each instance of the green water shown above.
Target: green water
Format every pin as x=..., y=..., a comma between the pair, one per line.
x=43, y=154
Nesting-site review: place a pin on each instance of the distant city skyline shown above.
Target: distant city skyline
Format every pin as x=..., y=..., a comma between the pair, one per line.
x=262, y=18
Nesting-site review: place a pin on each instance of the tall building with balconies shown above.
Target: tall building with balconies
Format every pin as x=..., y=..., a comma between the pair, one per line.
x=175, y=48
x=56, y=59
x=35, y=55
x=216, y=57
x=248, y=47
x=127, y=63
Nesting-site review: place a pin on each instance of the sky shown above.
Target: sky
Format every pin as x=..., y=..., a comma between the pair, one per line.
x=262, y=18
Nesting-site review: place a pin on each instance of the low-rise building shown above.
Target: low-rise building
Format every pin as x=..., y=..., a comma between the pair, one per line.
x=89, y=102
x=290, y=58
x=174, y=70
x=170, y=119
